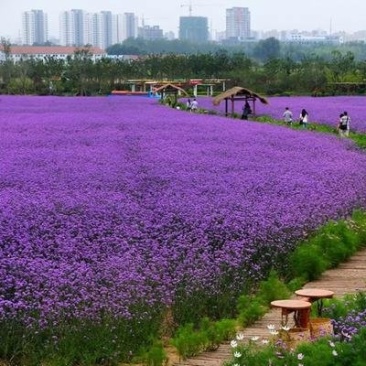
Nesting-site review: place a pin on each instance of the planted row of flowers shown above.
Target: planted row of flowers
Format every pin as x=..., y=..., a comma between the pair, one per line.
x=118, y=207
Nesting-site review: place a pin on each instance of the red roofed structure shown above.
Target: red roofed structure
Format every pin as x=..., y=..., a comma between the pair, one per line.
x=18, y=53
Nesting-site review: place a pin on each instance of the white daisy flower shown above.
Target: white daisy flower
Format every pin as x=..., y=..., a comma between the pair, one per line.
x=234, y=344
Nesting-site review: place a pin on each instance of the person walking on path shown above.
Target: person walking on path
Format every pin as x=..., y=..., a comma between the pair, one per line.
x=287, y=116
x=304, y=118
x=344, y=124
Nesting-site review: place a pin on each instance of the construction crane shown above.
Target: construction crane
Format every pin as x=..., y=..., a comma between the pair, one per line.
x=189, y=5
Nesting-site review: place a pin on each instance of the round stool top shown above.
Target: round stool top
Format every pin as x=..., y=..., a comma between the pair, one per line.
x=291, y=304
x=315, y=293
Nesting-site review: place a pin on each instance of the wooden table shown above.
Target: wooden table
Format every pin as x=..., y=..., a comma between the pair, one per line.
x=300, y=308
x=315, y=295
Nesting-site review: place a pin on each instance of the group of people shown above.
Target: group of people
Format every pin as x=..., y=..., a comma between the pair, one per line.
x=303, y=117
x=343, y=123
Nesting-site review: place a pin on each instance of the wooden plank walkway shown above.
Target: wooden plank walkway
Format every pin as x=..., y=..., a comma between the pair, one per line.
x=347, y=278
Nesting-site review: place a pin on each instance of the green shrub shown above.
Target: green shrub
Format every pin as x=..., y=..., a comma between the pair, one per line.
x=155, y=356
x=189, y=342
x=207, y=337
x=216, y=332
x=307, y=262
x=250, y=309
x=272, y=289
x=226, y=329
x=296, y=283
x=358, y=225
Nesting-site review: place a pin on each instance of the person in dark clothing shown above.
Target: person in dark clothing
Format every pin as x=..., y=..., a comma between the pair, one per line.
x=246, y=111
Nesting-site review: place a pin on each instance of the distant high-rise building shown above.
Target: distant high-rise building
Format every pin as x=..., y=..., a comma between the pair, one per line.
x=193, y=29
x=151, y=33
x=238, y=23
x=130, y=25
x=73, y=28
x=117, y=28
x=102, y=29
x=78, y=28
x=35, y=27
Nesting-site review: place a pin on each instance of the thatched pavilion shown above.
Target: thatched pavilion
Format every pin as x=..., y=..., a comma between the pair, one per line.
x=237, y=93
x=170, y=89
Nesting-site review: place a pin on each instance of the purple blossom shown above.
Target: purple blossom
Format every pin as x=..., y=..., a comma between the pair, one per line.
x=115, y=204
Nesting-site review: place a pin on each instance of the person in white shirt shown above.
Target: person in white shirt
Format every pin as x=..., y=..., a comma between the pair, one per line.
x=304, y=118
x=287, y=116
x=344, y=124
x=194, y=105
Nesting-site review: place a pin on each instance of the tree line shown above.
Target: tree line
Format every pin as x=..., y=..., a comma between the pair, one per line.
x=270, y=68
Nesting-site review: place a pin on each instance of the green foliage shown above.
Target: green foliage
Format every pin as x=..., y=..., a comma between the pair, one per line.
x=216, y=332
x=359, y=139
x=155, y=356
x=307, y=262
x=336, y=241
x=358, y=225
x=338, y=308
x=250, y=309
x=332, y=244
x=190, y=341
x=72, y=342
x=272, y=289
x=296, y=283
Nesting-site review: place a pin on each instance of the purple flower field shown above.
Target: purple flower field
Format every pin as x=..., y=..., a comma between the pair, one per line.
x=323, y=110
x=108, y=202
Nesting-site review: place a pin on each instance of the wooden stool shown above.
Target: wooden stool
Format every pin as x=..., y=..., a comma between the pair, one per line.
x=300, y=308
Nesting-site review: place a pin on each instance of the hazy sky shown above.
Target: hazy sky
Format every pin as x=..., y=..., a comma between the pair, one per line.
x=334, y=15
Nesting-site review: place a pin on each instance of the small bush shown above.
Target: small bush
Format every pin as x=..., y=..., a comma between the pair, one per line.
x=272, y=289
x=307, y=262
x=189, y=342
x=155, y=356
x=250, y=309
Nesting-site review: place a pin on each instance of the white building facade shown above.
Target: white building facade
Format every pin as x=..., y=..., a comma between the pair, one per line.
x=34, y=27
x=74, y=28
x=79, y=28
x=238, y=23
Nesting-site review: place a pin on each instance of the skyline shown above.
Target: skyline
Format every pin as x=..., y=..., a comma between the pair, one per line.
x=330, y=15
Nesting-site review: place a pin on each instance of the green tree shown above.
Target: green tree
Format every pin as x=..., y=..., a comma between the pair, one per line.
x=267, y=49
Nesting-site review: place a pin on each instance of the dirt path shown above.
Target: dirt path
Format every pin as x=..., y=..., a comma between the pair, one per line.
x=348, y=278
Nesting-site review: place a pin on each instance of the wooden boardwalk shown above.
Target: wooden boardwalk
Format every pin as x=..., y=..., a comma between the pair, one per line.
x=347, y=278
